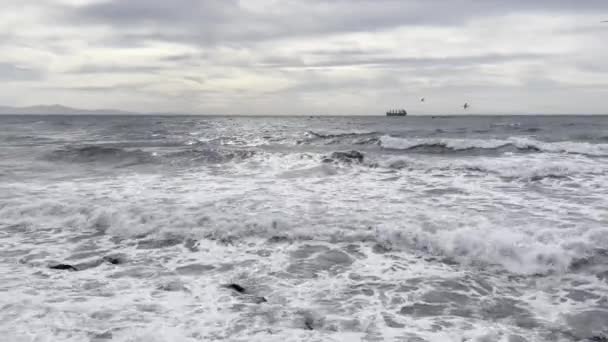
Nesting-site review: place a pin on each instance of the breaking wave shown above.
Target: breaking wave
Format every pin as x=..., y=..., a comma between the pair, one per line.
x=520, y=251
x=491, y=146
x=208, y=155
x=355, y=138
x=96, y=153
x=123, y=156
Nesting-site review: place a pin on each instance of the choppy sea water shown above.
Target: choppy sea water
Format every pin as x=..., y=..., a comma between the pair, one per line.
x=333, y=228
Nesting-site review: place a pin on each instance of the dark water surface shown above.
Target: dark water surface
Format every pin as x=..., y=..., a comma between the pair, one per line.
x=334, y=228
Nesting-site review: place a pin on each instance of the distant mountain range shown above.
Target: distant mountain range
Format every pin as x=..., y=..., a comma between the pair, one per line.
x=58, y=109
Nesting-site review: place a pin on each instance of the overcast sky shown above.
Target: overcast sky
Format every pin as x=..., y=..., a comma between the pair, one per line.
x=306, y=56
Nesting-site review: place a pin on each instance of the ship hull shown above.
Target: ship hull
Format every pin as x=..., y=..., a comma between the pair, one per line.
x=396, y=112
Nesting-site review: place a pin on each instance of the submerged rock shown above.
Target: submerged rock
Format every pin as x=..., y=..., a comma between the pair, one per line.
x=111, y=259
x=345, y=157
x=191, y=245
x=382, y=248
x=241, y=290
x=279, y=238
x=259, y=300
x=117, y=259
x=63, y=267
x=312, y=321
x=236, y=287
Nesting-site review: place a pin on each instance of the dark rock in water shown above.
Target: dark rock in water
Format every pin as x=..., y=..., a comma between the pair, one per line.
x=191, y=245
x=348, y=156
x=449, y=261
x=308, y=323
x=259, y=300
x=311, y=322
x=345, y=157
x=236, y=287
x=381, y=248
x=279, y=239
x=102, y=337
x=114, y=259
x=63, y=267
x=241, y=290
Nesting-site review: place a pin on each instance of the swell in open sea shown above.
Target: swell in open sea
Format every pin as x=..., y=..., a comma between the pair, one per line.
x=148, y=228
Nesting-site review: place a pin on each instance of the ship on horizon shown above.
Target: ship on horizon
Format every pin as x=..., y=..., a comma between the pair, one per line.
x=396, y=112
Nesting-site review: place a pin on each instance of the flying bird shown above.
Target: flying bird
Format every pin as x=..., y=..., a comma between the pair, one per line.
x=422, y=99
x=466, y=106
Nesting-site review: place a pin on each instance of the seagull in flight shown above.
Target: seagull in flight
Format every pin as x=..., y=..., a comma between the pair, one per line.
x=466, y=106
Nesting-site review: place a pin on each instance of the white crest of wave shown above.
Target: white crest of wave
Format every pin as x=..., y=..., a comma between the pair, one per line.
x=579, y=147
x=457, y=144
x=517, y=251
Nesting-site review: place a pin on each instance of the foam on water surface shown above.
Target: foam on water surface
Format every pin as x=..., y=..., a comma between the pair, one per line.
x=501, y=246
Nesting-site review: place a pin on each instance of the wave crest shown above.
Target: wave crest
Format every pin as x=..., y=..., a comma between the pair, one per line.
x=97, y=153
x=491, y=146
x=355, y=138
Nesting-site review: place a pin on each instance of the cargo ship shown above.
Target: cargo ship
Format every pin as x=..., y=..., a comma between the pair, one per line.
x=396, y=112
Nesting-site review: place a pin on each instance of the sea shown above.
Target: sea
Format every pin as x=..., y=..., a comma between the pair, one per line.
x=224, y=228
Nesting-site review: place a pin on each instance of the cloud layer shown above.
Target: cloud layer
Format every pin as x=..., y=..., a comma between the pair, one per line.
x=304, y=57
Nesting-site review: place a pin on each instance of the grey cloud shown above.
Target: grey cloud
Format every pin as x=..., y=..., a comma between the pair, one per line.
x=11, y=72
x=264, y=61
x=320, y=84
x=111, y=69
x=195, y=79
x=103, y=89
x=225, y=21
x=181, y=57
x=342, y=60
x=134, y=11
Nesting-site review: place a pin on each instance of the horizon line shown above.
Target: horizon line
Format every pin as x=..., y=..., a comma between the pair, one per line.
x=300, y=115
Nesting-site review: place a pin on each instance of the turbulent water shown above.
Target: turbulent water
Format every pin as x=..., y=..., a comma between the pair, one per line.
x=330, y=229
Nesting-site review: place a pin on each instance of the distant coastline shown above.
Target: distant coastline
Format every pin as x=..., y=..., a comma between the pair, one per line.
x=59, y=110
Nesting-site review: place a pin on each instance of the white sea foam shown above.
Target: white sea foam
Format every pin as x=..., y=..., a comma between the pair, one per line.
x=397, y=246
x=524, y=143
